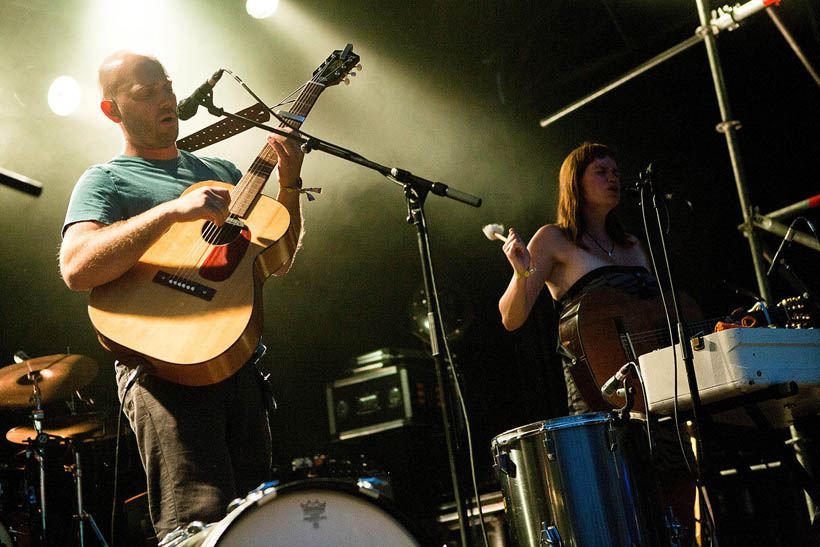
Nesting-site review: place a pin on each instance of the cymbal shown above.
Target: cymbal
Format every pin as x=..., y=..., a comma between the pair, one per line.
x=57, y=375
x=91, y=426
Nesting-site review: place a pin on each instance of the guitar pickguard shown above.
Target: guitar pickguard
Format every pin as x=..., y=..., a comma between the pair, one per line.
x=223, y=259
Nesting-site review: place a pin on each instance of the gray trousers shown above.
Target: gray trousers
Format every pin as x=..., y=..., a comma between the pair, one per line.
x=201, y=447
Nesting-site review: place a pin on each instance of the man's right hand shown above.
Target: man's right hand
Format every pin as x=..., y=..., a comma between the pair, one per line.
x=208, y=202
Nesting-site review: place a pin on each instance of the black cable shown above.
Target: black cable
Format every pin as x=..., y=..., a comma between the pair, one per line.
x=460, y=396
x=132, y=378
x=350, y=153
x=676, y=418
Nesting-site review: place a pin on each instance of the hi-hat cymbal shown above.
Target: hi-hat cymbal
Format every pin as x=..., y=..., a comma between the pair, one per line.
x=77, y=427
x=57, y=375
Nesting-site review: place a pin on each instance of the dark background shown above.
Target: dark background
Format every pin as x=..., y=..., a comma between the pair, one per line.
x=452, y=91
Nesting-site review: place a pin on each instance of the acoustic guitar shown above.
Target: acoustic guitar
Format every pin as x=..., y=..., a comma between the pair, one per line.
x=604, y=328
x=191, y=308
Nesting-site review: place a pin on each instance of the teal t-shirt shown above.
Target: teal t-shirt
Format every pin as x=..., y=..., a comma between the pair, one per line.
x=127, y=186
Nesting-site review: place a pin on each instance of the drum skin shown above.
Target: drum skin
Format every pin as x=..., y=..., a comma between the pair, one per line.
x=309, y=513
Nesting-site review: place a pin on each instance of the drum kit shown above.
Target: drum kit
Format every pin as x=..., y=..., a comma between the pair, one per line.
x=578, y=480
x=31, y=383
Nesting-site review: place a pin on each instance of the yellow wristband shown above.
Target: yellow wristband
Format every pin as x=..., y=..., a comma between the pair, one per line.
x=525, y=274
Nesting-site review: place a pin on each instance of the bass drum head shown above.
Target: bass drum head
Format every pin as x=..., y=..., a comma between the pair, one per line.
x=314, y=512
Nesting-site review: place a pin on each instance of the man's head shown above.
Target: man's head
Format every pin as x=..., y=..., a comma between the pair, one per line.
x=137, y=95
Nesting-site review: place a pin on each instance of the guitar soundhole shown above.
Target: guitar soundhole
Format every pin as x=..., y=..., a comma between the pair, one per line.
x=222, y=235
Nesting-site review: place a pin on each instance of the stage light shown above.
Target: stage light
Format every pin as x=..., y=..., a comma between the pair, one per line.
x=64, y=95
x=259, y=9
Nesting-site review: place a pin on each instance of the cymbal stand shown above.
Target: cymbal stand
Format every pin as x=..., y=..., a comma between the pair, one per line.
x=37, y=446
x=82, y=515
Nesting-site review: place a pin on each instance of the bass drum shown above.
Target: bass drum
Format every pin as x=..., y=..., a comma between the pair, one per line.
x=309, y=513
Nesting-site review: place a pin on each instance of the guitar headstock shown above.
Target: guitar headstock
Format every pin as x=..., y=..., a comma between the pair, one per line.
x=337, y=67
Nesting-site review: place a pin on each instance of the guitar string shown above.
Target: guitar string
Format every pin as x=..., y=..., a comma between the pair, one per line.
x=660, y=335
x=213, y=232
x=302, y=104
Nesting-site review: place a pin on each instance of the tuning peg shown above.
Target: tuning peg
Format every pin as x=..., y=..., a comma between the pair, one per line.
x=359, y=66
x=347, y=81
x=352, y=73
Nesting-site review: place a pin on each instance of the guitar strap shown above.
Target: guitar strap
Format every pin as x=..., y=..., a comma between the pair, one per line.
x=224, y=128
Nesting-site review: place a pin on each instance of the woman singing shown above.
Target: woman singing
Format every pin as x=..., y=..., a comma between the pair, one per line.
x=586, y=248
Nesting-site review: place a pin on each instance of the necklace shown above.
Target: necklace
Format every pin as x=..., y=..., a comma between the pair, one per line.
x=609, y=252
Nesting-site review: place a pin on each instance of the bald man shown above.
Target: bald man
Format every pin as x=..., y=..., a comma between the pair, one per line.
x=200, y=446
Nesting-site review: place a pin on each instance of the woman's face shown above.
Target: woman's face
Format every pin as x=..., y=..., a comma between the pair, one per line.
x=601, y=183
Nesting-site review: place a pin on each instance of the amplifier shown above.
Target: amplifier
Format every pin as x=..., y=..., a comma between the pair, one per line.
x=389, y=388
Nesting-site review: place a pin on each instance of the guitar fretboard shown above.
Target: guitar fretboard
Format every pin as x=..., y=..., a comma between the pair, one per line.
x=244, y=195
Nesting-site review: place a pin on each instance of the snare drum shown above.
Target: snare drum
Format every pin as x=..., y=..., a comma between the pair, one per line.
x=309, y=513
x=583, y=479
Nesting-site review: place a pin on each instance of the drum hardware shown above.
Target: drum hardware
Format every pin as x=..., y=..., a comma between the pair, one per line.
x=34, y=382
x=674, y=529
x=82, y=515
x=550, y=536
x=72, y=430
x=182, y=533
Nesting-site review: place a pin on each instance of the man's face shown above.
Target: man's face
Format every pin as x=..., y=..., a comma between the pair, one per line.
x=146, y=104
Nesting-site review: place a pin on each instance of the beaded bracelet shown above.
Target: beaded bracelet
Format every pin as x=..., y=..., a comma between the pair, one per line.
x=307, y=191
x=526, y=273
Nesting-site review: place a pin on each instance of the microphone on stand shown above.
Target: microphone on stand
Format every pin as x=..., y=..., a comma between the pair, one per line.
x=787, y=238
x=609, y=387
x=188, y=107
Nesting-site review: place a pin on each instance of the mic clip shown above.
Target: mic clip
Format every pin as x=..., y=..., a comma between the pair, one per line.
x=644, y=181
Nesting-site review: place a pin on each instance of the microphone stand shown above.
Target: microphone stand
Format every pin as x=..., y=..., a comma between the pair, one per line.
x=416, y=190
x=20, y=182
x=646, y=182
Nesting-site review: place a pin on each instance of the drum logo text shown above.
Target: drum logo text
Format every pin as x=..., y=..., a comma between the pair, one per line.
x=314, y=512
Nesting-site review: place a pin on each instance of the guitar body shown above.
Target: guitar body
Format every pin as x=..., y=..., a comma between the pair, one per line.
x=592, y=329
x=195, y=316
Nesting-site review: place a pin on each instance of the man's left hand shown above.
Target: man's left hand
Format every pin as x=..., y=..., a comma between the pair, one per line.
x=290, y=158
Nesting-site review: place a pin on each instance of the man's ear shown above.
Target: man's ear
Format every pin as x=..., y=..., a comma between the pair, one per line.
x=111, y=111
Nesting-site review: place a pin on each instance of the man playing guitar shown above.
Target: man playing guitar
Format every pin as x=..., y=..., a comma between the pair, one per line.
x=201, y=446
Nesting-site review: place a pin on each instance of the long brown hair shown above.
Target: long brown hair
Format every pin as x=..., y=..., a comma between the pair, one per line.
x=571, y=199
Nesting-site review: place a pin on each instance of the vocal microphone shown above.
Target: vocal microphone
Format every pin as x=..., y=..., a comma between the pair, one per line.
x=788, y=237
x=609, y=387
x=188, y=107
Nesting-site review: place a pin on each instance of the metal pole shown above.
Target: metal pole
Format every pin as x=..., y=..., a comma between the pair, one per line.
x=637, y=71
x=78, y=480
x=780, y=229
x=729, y=127
x=793, y=43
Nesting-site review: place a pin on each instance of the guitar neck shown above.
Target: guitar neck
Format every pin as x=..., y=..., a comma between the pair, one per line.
x=250, y=186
